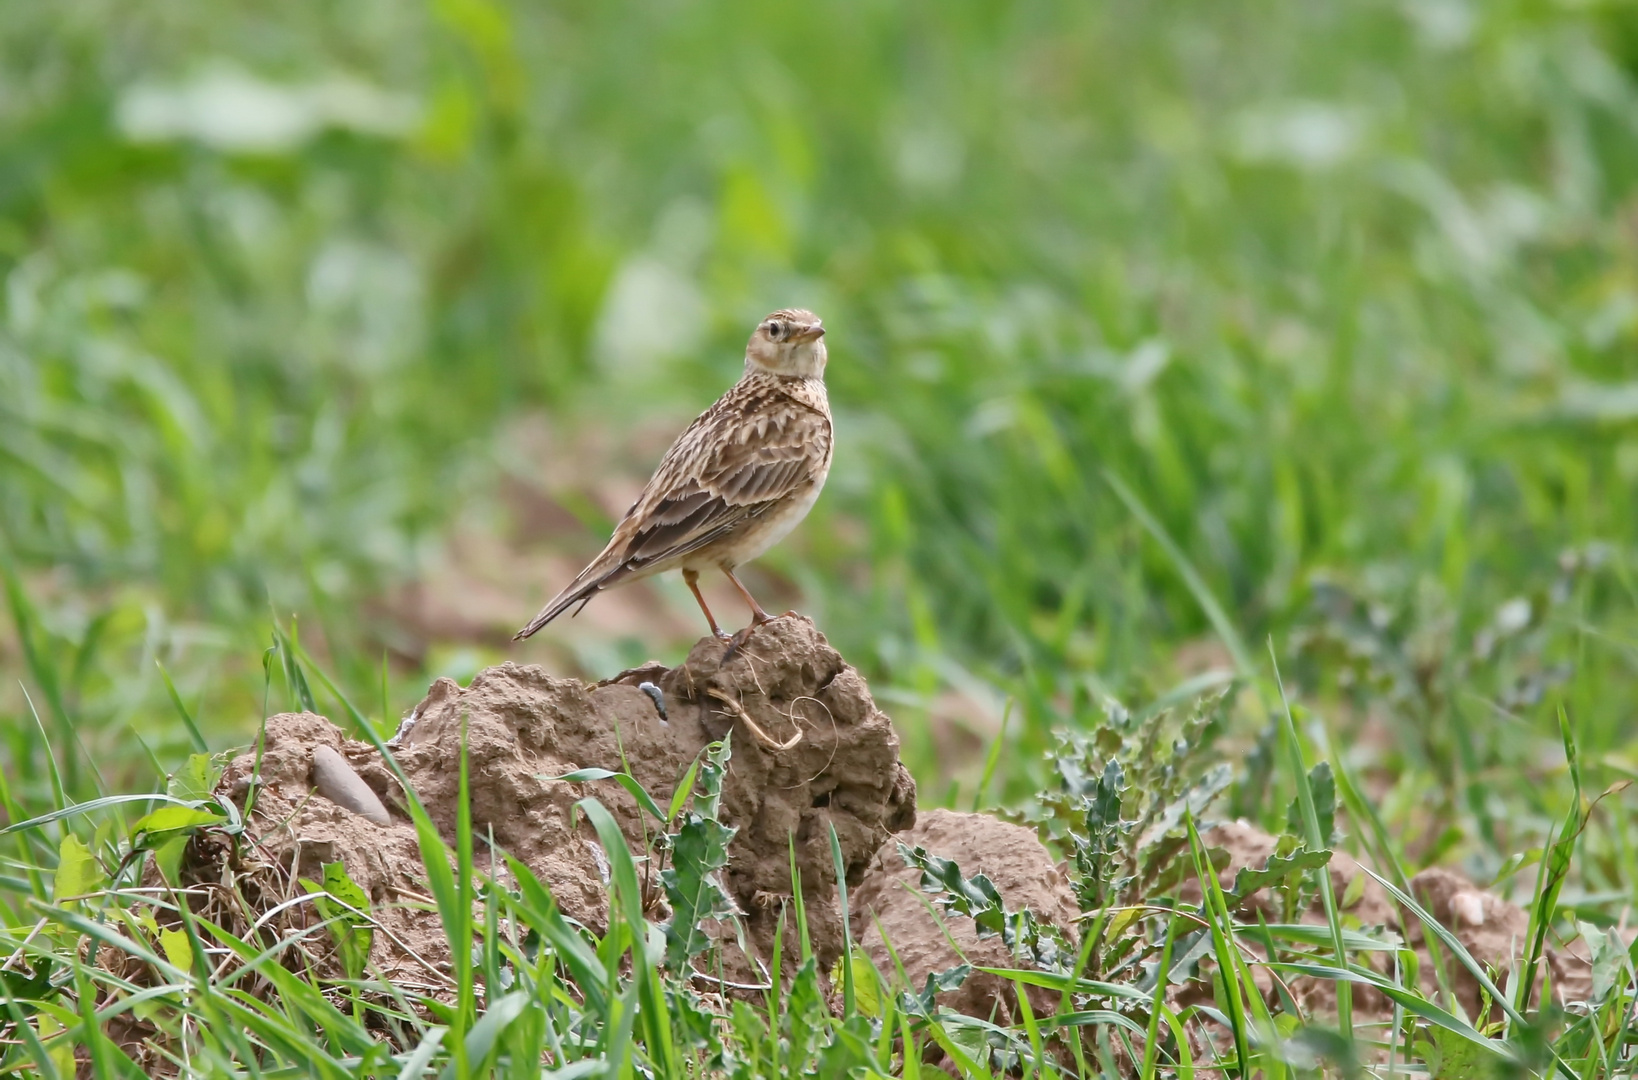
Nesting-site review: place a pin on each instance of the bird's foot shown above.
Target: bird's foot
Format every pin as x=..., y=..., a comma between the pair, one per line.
x=737, y=642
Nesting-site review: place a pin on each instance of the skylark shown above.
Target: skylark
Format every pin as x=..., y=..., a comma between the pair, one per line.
x=741, y=477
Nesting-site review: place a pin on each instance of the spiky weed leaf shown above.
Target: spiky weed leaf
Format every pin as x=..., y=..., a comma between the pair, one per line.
x=804, y=1018
x=699, y=852
x=1322, y=794
x=1277, y=870
x=1040, y=944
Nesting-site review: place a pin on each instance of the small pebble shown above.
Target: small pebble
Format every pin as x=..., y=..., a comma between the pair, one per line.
x=336, y=781
x=1467, y=908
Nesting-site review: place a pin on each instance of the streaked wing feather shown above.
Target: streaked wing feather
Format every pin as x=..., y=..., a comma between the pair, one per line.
x=730, y=477
x=663, y=538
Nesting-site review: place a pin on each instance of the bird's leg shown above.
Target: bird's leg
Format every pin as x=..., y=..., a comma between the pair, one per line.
x=758, y=616
x=691, y=578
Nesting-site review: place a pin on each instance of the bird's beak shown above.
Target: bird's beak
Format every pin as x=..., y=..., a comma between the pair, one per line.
x=812, y=333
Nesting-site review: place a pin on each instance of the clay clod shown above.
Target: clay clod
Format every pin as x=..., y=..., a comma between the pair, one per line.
x=1021, y=869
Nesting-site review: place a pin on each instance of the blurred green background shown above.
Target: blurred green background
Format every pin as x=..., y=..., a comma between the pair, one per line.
x=371, y=317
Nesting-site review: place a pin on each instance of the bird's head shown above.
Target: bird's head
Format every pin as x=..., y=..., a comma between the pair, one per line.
x=789, y=342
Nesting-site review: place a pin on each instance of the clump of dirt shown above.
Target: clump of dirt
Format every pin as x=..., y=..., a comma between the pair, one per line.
x=1490, y=927
x=810, y=752
x=1022, y=870
x=1495, y=931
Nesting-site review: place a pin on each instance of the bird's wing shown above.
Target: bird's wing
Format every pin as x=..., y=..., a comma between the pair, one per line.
x=738, y=459
x=743, y=461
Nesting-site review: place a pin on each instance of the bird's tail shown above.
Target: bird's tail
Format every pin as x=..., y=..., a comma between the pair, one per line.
x=579, y=591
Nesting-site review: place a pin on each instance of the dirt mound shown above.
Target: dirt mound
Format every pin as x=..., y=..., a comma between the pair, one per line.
x=1490, y=927
x=1022, y=870
x=810, y=752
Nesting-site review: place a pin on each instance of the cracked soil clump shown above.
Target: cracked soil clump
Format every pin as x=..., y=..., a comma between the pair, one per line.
x=810, y=752
x=1021, y=868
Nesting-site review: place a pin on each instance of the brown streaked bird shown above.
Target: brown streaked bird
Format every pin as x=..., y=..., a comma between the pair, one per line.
x=741, y=477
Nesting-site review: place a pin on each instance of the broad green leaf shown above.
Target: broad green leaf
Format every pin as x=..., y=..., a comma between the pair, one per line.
x=172, y=818
x=354, y=933
x=867, y=998
x=78, y=871
x=1609, y=959
x=1452, y=1057
x=867, y=991
x=1354, y=893
x=196, y=779
x=168, y=857
x=19, y=983
x=343, y=887
x=177, y=948
x=61, y=1049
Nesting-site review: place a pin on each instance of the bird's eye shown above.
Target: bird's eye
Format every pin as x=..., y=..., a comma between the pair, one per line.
x=776, y=330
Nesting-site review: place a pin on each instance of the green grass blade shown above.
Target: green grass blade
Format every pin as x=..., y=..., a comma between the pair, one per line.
x=1315, y=842
x=849, y=1002
x=1203, y=595
x=415, y=1066
x=1228, y=965
x=194, y=733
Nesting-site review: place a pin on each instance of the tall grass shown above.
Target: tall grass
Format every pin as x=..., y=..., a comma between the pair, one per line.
x=1345, y=295
x=528, y=987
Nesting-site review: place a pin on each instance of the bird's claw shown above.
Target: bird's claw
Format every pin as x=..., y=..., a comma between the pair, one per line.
x=737, y=642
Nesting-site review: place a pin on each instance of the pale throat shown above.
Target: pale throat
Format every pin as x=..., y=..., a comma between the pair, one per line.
x=805, y=360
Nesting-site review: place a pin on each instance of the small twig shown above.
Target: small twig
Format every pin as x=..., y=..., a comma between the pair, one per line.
x=695, y=973
x=738, y=711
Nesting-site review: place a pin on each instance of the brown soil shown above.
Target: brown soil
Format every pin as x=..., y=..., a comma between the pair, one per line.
x=890, y=905
x=1490, y=928
x=811, y=752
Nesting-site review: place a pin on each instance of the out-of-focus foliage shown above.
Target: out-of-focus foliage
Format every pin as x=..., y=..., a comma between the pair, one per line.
x=1346, y=289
